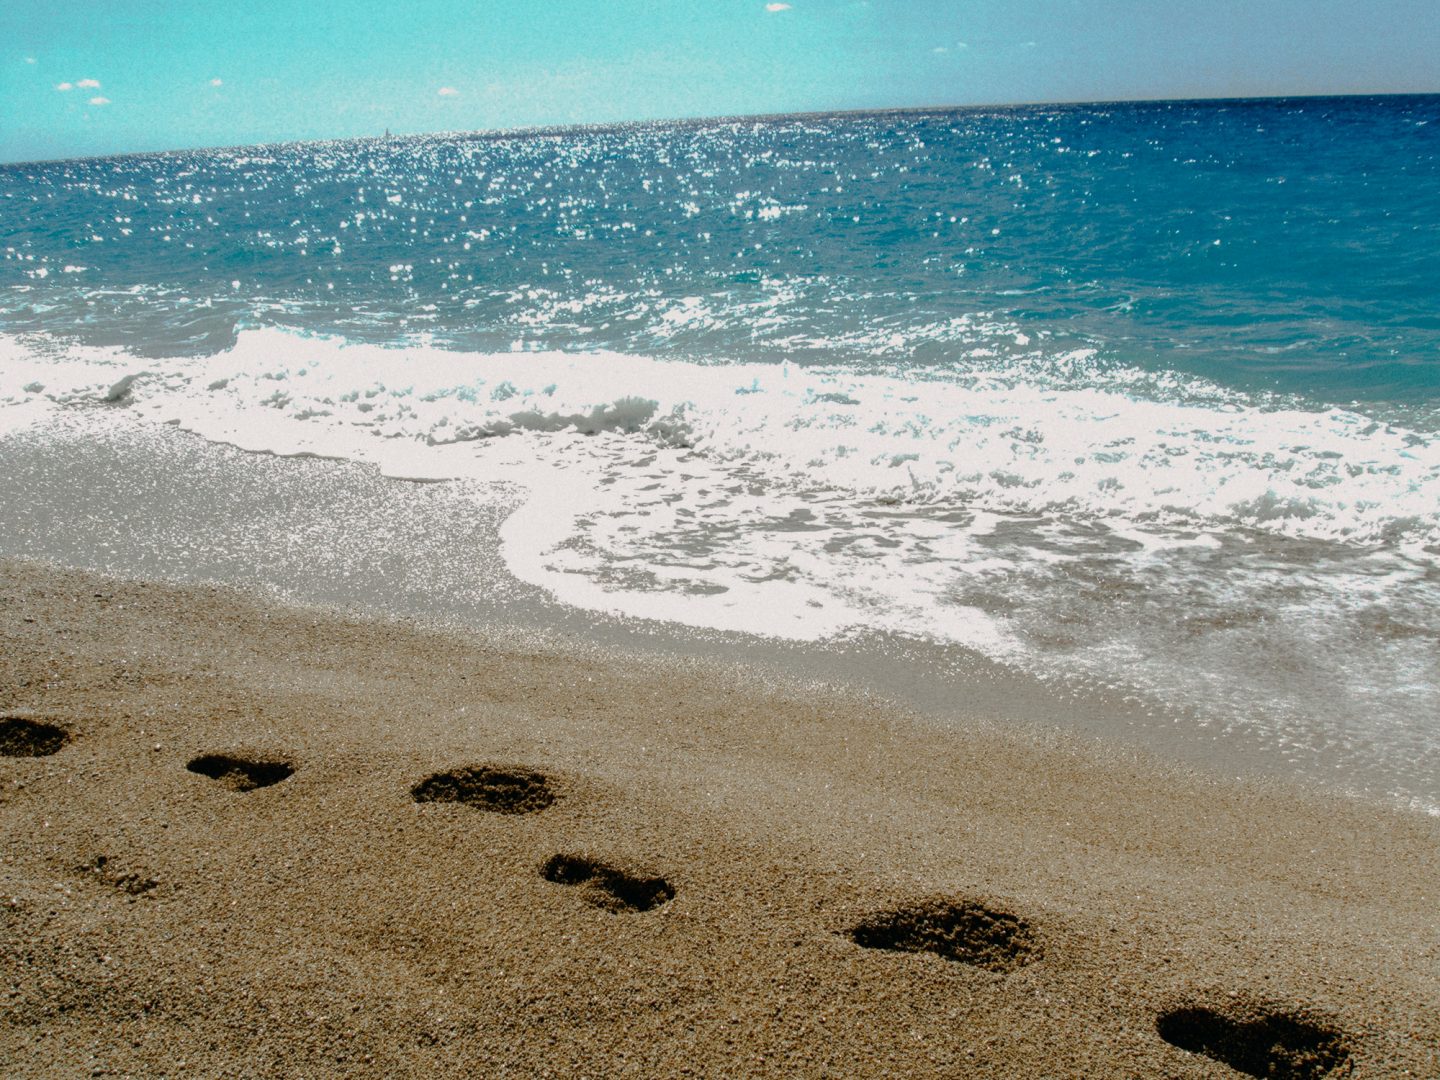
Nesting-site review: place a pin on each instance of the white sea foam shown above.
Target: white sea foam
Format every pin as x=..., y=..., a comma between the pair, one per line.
x=791, y=501
x=1121, y=446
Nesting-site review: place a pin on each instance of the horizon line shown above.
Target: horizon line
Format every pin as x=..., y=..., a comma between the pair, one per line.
x=722, y=118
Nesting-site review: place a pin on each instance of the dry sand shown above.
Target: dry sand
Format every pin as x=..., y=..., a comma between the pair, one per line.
x=687, y=871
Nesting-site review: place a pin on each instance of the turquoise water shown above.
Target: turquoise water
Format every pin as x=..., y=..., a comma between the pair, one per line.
x=1281, y=245
x=1142, y=395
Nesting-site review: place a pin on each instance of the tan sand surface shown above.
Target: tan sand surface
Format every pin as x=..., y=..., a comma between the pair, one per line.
x=698, y=868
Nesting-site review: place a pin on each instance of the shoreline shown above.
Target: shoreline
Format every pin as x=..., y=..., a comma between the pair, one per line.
x=102, y=490
x=329, y=923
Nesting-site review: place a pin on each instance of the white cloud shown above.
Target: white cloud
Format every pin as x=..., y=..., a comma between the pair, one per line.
x=448, y=91
x=88, y=84
x=99, y=101
x=777, y=7
x=64, y=86
x=217, y=82
x=939, y=49
x=30, y=59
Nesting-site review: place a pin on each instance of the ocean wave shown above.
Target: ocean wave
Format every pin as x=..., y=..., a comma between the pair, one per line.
x=1057, y=435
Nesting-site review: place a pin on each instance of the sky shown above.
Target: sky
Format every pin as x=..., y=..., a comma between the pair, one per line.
x=86, y=77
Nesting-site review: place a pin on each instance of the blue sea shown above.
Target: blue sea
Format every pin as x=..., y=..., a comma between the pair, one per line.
x=1143, y=397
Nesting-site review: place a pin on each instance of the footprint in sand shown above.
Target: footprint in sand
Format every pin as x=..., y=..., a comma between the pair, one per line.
x=240, y=773
x=1259, y=1041
x=502, y=789
x=604, y=886
x=20, y=737
x=100, y=869
x=965, y=931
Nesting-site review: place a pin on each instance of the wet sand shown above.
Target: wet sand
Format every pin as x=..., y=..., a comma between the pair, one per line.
x=248, y=839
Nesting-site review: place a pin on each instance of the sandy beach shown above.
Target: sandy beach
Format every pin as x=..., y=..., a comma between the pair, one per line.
x=246, y=839
x=796, y=540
